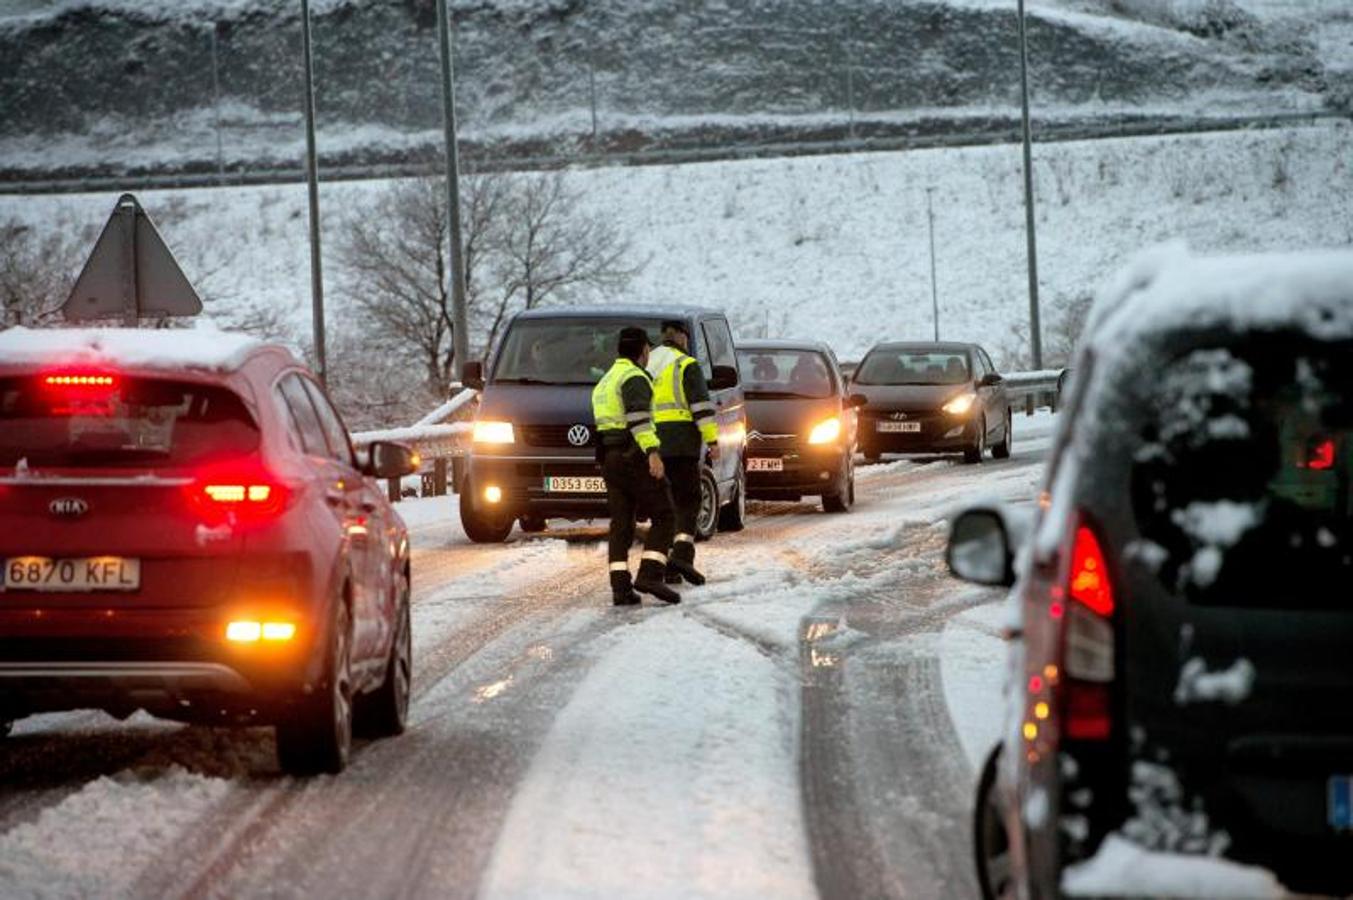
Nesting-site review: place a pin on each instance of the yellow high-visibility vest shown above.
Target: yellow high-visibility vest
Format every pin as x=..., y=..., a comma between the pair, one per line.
x=668, y=365
x=608, y=405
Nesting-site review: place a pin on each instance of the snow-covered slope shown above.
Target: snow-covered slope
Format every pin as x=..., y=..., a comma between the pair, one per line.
x=833, y=247
x=118, y=85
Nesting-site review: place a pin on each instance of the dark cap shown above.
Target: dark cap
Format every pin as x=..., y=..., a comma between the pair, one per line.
x=676, y=325
x=632, y=342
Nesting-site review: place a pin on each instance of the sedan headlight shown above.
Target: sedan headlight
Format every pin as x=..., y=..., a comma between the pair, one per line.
x=493, y=433
x=825, y=432
x=960, y=405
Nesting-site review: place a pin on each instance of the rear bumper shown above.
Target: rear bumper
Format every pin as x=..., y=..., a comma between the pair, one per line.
x=172, y=679
x=168, y=671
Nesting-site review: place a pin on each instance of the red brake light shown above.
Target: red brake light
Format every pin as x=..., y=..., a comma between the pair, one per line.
x=1320, y=456
x=247, y=492
x=1087, y=714
x=81, y=381
x=1088, y=581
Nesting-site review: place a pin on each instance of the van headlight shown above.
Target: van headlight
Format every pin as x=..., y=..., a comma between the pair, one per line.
x=489, y=432
x=825, y=432
x=960, y=405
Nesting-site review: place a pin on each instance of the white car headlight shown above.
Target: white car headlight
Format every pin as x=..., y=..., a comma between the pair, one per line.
x=960, y=405
x=825, y=432
x=488, y=432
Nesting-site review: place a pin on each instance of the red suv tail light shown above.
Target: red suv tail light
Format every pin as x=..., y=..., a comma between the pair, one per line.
x=1088, y=641
x=247, y=492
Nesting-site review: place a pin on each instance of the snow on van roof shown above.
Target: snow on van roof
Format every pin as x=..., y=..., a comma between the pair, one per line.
x=1168, y=288
x=203, y=347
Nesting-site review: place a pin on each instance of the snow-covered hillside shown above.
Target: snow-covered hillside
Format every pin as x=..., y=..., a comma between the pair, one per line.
x=119, y=86
x=832, y=246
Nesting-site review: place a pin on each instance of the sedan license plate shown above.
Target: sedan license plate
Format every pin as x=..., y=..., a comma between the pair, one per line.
x=575, y=484
x=1341, y=802
x=899, y=426
x=92, y=573
x=765, y=464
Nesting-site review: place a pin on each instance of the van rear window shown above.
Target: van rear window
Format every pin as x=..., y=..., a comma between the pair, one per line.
x=118, y=422
x=563, y=351
x=1243, y=475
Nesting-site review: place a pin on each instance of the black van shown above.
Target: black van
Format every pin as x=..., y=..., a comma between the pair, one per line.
x=534, y=451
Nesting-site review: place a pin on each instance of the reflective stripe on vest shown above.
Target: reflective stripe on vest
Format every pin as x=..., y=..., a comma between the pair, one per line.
x=608, y=405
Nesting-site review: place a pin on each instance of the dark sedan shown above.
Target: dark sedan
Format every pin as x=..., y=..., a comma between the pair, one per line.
x=932, y=398
x=801, y=423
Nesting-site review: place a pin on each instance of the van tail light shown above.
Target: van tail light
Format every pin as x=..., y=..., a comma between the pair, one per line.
x=246, y=493
x=1088, y=641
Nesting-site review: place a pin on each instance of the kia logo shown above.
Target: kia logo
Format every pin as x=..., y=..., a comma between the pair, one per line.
x=899, y=416
x=69, y=507
x=579, y=435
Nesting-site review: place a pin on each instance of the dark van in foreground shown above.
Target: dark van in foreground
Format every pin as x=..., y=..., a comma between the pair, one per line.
x=1181, y=659
x=534, y=450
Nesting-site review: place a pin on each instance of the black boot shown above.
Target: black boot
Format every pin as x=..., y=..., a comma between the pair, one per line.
x=682, y=562
x=650, y=581
x=622, y=591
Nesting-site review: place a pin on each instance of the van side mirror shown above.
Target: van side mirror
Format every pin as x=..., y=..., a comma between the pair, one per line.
x=386, y=459
x=855, y=401
x=979, y=548
x=991, y=379
x=724, y=377
x=474, y=375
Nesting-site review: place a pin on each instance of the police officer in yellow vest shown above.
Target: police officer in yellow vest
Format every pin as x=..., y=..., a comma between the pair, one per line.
x=622, y=404
x=686, y=425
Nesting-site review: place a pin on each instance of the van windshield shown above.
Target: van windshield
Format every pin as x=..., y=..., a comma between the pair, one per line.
x=563, y=351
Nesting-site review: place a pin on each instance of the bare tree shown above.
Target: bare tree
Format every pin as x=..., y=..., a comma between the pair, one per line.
x=526, y=240
x=37, y=271
x=550, y=245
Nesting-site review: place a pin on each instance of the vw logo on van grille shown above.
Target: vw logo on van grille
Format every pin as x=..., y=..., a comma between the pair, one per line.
x=68, y=507
x=579, y=435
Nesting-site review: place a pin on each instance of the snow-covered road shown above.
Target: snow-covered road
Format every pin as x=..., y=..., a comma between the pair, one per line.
x=806, y=723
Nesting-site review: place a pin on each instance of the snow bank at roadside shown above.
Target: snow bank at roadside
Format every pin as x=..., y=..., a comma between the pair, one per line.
x=96, y=841
x=1123, y=869
x=671, y=773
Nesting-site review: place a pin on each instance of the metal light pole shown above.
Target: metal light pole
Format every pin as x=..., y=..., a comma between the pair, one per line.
x=460, y=334
x=934, y=292
x=312, y=181
x=1035, y=328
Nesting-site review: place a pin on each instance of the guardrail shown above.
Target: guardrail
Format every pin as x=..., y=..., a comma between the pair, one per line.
x=435, y=441
x=1036, y=389
x=446, y=444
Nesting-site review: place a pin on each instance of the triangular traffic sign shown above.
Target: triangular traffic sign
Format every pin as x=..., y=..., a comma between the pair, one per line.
x=131, y=273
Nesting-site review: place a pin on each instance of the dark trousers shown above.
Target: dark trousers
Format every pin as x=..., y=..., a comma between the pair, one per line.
x=683, y=473
x=629, y=489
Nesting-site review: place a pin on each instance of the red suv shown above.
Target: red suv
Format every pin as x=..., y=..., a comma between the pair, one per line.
x=185, y=529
